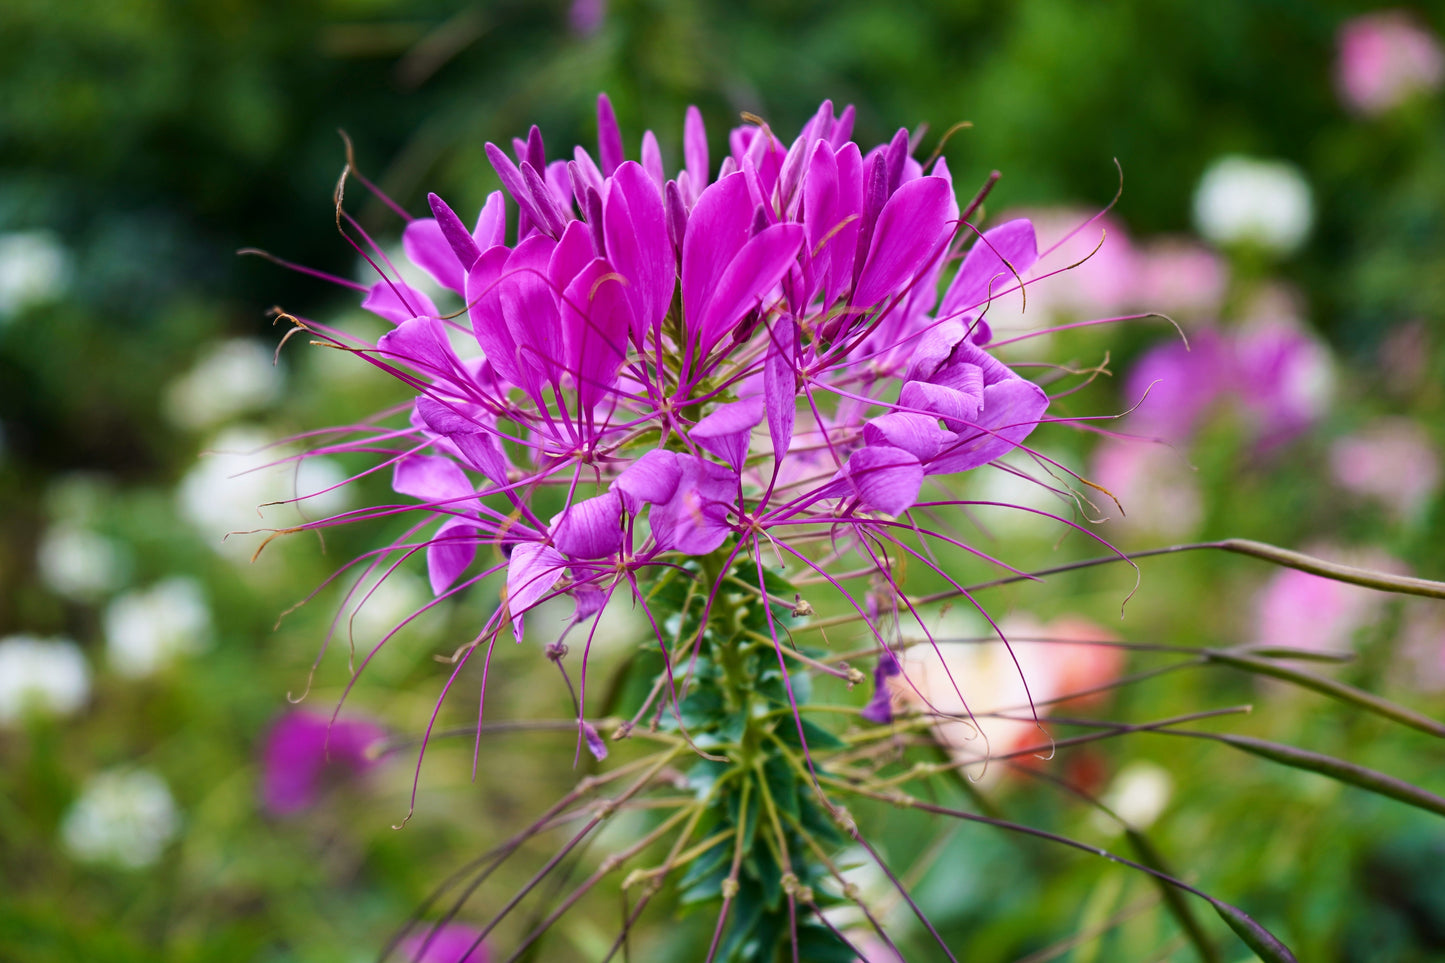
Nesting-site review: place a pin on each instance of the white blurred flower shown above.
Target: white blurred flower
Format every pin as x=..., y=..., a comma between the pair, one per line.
x=34, y=269
x=148, y=628
x=233, y=378
x=41, y=675
x=1138, y=795
x=79, y=563
x=238, y=474
x=1242, y=199
x=124, y=817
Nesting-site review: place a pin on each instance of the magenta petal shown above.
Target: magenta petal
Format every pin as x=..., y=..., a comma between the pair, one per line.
x=638, y=245
x=780, y=385
x=596, y=318
x=725, y=432
x=591, y=528
x=919, y=435
x=463, y=245
x=303, y=748
x=717, y=229
x=912, y=227
x=452, y=549
x=432, y=479
x=756, y=269
x=694, y=149
x=422, y=344
x=595, y=743
x=531, y=573
x=426, y=247
x=452, y=943
x=886, y=479
x=529, y=307
x=574, y=251
x=491, y=228
x=651, y=479
x=397, y=301
x=484, y=306
x=992, y=265
x=695, y=521
x=609, y=136
x=475, y=441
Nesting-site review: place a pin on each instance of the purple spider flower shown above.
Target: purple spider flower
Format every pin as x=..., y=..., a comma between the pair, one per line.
x=450, y=943
x=304, y=752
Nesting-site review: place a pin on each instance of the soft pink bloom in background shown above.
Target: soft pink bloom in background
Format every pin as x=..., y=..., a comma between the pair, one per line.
x=586, y=16
x=1299, y=610
x=1153, y=482
x=1284, y=377
x=1391, y=460
x=301, y=757
x=1180, y=276
x=451, y=944
x=1422, y=646
x=1384, y=58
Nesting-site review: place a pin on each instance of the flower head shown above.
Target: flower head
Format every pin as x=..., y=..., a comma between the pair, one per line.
x=1383, y=59
x=303, y=750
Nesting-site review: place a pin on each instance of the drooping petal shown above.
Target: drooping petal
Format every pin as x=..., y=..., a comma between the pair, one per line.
x=916, y=434
x=992, y=266
x=474, y=440
x=1011, y=411
x=651, y=479
x=726, y=430
x=591, y=528
x=886, y=479
x=397, y=301
x=635, y=226
x=422, y=344
x=452, y=549
x=912, y=227
x=531, y=572
x=433, y=479
x=780, y=388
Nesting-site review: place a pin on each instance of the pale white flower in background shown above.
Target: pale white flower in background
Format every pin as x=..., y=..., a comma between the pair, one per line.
x=1138, y=795
x=41, y=675
x=77, y=562
x=233, y=378
x=238, y=473
x=124, y=817
x=35, y=268
x=1247, y=200
x=148, y=628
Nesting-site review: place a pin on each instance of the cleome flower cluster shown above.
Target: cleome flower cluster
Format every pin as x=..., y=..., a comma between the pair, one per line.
x=749, y=359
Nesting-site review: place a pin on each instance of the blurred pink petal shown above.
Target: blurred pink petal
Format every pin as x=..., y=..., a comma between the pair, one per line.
x=1383, y=59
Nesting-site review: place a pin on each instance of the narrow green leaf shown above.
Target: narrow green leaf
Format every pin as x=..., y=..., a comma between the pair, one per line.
x=1173, y=898
x=1337, y=769
x=1259, y=939
x=1329, y=687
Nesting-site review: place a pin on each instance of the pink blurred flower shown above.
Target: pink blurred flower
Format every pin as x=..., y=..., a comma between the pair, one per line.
x=1285, y=378
x=1383, y=59
x=1154, y=484
x=1391, y=460
x=300, y=758
x=1104, y=282
x=1041, y=664
x=1422, y=646
x=1299, y=610
x=451, y=943
x=1180, y=276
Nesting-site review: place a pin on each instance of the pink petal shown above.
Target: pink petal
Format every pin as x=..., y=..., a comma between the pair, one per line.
x=886, y=479
x=694, y=151
x=780, y=385
x=397, y=301
x=529, y=307
x=990, y=266
x=452, y=549
x=651, y=479
x=950, y=404
x=717, y=229
x=596, y=318
x=484, y=306
x=591, y=528
x=725, y=432
x=609, y=136
x=433, y=479
x=919, y=435
x=491, y=228
x=426, y=247
x=1011, y=411
x=531, y=573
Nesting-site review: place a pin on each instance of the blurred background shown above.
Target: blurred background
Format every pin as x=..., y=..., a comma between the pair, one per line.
x=1283, y=199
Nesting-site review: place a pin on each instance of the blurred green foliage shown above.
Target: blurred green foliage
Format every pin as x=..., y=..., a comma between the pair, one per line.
x=155, y=137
